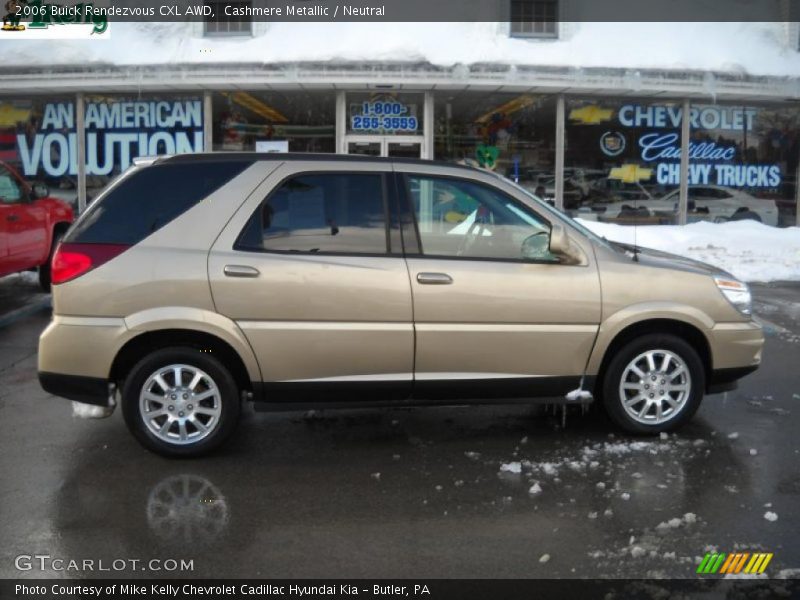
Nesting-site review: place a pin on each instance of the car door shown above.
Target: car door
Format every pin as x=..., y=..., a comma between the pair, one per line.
x=495, y=313
x=18, y=222
x=26, y=222
x=311, y=269
x=5, y=212
x=705, y=203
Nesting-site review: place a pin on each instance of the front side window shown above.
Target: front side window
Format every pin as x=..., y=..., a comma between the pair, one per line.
x=461, y=218
x=334, y=213
x=10, y=192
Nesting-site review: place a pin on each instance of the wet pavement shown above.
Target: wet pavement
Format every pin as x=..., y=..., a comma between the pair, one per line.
x=423, y=492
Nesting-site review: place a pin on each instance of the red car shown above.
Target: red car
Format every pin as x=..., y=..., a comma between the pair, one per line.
x=31, y=225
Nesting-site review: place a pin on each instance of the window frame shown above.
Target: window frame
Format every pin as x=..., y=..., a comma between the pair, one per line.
x=23, y=192
x=411, y=230
x=543, y=35
x=219, y=4
x=82, y=227
x=391, y=226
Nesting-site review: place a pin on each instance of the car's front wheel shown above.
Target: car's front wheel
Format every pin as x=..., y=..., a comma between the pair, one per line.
x=653, y=383
x=180, y=402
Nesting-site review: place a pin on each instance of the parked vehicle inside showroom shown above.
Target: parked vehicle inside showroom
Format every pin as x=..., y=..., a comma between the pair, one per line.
x=196, y=282
x=31, y=225
x=705, y=203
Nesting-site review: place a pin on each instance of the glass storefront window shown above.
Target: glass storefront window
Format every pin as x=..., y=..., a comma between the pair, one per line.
x=301, y=121
x=121, y=128
x=385, y=113
x=743, y=163
x=622, y=160
x=37, y=140
x=510, y=133
x=38, y=137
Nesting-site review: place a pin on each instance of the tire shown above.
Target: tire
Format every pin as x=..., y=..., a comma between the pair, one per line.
x=746, y=215
x=190, y=426
x=631, y=402
x=45, y=280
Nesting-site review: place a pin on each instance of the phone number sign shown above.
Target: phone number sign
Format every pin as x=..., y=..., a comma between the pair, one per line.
x=385, y=116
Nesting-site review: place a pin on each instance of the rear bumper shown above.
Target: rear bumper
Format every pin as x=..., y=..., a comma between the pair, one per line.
x=80, y=346
x=89, y=390
x=75, y=355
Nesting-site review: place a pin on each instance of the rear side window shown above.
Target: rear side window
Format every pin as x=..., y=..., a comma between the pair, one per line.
x=149, y=198
x=341, y=213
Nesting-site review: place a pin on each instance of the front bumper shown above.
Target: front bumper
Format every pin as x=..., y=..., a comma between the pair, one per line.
x=725, y=380
x=736, y=351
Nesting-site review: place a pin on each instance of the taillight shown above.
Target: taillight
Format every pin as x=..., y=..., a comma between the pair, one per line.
x=73, y=260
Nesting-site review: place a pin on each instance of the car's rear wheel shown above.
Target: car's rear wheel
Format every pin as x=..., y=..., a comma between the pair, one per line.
x=654, y=383
x=180, y=402
x=745, y=214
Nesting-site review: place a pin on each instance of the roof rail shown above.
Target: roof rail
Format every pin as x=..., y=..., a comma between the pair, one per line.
x=146, y=161
x=295, y=156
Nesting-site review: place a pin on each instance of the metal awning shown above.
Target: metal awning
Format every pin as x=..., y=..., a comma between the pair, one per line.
x=644, y=83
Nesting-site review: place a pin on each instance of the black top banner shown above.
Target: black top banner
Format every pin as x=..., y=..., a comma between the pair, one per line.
x=521, y=11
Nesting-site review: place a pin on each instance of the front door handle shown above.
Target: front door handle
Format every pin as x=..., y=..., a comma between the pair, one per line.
x=434, y=278
x=12, y=218
x=240, y=271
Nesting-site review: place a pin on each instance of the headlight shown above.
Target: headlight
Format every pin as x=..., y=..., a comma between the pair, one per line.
x=737, y=294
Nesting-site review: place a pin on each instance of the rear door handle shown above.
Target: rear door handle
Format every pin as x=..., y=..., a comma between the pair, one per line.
x=434, y=278
x=240, y=271
x=12, y=218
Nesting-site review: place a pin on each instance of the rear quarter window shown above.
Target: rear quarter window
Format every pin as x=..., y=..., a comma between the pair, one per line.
x=149, y=198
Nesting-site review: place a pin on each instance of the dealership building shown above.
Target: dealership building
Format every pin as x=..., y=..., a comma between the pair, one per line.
x=587, y=114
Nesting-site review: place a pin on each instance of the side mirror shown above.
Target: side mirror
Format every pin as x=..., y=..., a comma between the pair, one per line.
x=39, y=190
x=559, y=240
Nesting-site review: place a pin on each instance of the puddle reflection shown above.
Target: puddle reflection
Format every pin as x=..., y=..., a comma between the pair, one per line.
x=187, y=510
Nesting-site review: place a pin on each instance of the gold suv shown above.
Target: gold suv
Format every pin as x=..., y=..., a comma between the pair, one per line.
x=197, y=281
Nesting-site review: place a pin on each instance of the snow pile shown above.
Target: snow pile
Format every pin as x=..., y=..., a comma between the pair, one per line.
x=749, y=250
x=594, y=460
x=622, y=448
x=514, y=468
x=754, y=48
x=674, y=523
x=81, y=410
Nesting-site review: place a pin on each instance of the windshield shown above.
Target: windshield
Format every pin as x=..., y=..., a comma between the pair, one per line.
x=559, y=215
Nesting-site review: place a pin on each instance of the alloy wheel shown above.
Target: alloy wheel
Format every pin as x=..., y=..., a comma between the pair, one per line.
x=655, y=387
x=180, y=404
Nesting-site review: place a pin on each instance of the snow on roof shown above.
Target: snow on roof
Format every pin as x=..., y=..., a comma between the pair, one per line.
x=737, y=48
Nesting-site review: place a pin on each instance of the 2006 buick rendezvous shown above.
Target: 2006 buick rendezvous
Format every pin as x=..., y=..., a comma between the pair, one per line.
x=197, y=281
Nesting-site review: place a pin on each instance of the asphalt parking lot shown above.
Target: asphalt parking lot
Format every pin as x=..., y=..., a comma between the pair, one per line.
x=402, y=493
